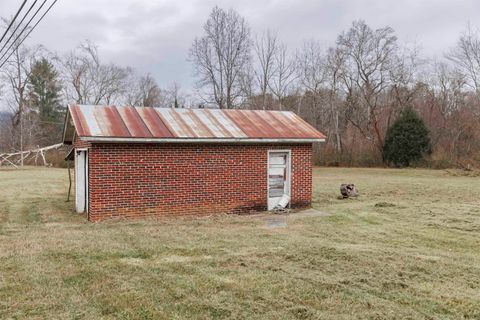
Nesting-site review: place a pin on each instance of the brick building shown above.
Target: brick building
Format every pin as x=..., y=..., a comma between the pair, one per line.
x=137, y=162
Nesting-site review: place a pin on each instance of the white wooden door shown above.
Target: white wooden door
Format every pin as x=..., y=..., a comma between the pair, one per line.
x=81, y=180
x=278, y=176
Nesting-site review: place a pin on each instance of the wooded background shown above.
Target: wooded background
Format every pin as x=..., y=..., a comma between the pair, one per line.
x=351, y=90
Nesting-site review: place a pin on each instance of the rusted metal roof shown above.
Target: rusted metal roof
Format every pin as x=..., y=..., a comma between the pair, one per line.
x=111, y=123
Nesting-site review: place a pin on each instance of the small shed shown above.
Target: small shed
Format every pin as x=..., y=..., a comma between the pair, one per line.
x=142, y=161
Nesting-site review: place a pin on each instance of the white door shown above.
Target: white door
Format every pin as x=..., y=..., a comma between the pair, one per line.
x=81, y=180
x=278, y=176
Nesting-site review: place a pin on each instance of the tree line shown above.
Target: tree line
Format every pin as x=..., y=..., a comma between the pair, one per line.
x=36, y=85
x=352, y=90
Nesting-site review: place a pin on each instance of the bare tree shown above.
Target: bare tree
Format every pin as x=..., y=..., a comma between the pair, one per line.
x=449, y=83
x=16, y=76
x=313, y=74
x=466, y=57
x=265, y=48
x=335, y=60
x=89, y=81
x=144, y=91
x=151, y=93
x=370, y=56
x=221, y=55
x=247, y=85
x=175, y=97
x=312, y=66
x=404, y=74
x=284, y=74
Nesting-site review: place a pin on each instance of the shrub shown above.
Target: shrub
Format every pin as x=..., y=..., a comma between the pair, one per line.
x=407, y=140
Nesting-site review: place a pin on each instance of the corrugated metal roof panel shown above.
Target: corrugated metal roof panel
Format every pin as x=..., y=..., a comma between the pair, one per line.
x=281, y=128
x=79, y=121
x=284, y=118
x=153, y=122
x=111, y=122
x=264, y=128
x=175, y=123
x=242, y=122
x=199, y=128
x=231, y=127
x=301, y=125
x=163, y=123
x=89, y=121
x=215, y=127
x=132, y=120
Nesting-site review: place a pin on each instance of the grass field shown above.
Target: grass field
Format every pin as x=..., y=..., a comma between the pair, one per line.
x=407, y=248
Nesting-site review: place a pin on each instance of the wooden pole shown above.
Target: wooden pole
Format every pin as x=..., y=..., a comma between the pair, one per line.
x=5, y=159
x=21, y=136
x=36, y=155
x=43, y=157
x=69, y=181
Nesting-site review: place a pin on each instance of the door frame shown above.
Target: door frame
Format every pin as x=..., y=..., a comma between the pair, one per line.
x=289, y=172
x=85, y=209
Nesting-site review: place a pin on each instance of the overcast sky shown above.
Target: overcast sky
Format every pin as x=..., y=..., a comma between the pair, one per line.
x=155, y=35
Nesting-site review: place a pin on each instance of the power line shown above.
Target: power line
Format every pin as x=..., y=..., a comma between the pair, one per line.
x=29, y=32
x=18, y=26
x=13, y=20
x=23, y=29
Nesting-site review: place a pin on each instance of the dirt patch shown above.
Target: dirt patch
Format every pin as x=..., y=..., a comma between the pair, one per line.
x=384, y=205
x=276, y=222
x=463, y=173
x=133, y=261
x=309, y=213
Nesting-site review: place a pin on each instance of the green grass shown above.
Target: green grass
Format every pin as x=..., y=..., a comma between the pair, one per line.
x=407, y=248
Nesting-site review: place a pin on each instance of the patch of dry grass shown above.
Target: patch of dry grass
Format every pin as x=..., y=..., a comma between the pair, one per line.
x=408, y=247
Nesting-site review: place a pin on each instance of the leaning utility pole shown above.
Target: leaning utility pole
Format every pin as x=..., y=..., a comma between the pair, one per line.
x=21, y=138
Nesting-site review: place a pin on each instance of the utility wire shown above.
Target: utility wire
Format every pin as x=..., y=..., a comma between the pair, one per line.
x=29, y=32
x=18, y=26
x=13, y=20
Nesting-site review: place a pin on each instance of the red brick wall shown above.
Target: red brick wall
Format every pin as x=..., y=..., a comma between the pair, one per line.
x=77, y=143
x=137, y=180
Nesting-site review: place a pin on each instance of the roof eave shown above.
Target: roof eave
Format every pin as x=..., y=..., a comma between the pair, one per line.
x=65, y=127
x=199, y=140
x=69, y=127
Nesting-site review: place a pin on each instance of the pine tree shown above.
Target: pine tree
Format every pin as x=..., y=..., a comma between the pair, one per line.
x=175, y=103
x=407, y=140
x=44, y=99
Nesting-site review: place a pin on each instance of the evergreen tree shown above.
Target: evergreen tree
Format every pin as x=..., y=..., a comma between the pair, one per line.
x=44, y=91
x=407, y=140
x=175, y=103
x=44, y=99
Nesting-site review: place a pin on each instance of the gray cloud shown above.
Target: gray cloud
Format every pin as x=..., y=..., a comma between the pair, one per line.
x=154, y=36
